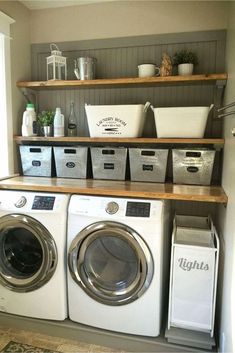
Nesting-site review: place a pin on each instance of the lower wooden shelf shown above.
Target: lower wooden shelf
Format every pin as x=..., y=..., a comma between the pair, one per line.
x=168, y=191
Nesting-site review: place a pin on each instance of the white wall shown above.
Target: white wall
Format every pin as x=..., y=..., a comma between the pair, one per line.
x=126, y=18
x=20, y=54
x=227, y=216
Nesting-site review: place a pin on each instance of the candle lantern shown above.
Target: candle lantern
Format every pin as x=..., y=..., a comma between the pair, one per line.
x=56, y=64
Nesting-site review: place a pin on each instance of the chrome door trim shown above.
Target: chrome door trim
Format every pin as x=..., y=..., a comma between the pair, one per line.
x=86, y=237
x=50, y=257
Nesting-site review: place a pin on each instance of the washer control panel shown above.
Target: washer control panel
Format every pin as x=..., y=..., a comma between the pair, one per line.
x=112, y=207
x=138, y=209
x=43, y=203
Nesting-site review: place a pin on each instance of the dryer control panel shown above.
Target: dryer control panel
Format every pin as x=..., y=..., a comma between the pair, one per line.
x=137, y=209
x=43, y=203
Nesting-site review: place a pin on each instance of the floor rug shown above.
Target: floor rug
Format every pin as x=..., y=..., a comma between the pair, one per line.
x=16, y=347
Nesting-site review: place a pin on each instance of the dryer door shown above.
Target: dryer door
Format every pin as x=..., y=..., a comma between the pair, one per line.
x=111, y=262
x=28, y=255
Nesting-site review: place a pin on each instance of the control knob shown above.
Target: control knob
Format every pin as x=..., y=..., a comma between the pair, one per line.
x=112, y=207
x=21, y=202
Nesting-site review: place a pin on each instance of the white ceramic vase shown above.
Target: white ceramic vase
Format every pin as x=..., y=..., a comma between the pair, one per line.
x=185, y=69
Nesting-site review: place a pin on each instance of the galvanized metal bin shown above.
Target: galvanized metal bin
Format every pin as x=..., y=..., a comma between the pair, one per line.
x=71, y=162
x=109, y=163
x=148, y=164
x=36, y=160
x=192, y=166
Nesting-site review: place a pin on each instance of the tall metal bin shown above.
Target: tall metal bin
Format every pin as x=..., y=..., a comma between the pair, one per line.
x=71, y=162
x=148, y=164
x=109, y=162
x=36, y=160
x=193, y=276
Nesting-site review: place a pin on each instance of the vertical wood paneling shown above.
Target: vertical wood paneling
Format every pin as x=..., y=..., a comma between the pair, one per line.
x=123, y=61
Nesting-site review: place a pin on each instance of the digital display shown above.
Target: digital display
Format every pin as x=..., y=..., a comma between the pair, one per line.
x=138, y=209
x=43, y=203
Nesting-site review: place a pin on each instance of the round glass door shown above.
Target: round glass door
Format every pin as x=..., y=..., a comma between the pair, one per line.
x=28, y=254
x=111, y=262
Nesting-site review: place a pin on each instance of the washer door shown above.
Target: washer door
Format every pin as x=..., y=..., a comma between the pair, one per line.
x=28, y=254
x=111, y=262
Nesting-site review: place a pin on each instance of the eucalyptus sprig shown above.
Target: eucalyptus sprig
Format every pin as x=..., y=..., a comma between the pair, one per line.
x=185, y=56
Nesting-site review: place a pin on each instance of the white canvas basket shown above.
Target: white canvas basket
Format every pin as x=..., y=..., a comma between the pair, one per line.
x=193, y=276
x=125, y=120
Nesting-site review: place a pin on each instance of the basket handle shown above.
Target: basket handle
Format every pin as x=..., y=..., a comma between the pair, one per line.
x=56, y=47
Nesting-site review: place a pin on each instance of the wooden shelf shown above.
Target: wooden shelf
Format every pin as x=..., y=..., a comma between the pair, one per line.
x=140, y=140
x=117, y=188
x=210, y=78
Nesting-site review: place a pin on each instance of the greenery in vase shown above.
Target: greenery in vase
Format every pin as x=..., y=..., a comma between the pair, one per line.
x=185, y=57
x=46, y=118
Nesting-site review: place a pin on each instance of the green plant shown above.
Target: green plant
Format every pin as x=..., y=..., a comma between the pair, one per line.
x=185, y=57
x=46, y=118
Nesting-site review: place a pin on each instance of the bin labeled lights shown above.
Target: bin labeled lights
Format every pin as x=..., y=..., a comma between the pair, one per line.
x=193, y=276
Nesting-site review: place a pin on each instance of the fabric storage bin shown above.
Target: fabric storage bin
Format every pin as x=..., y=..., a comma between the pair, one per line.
x=71, y=162
x=125, y=120
x=193, y=274
x=148, y=164
x=109, y=163
x=36, y=160
x=181, y=122
x=192, y=166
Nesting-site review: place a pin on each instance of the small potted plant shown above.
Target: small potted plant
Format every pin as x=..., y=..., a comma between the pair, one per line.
x=45, y=119
x=185, y=60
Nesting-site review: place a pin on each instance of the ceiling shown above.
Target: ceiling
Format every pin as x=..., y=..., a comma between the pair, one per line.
x=46, y=4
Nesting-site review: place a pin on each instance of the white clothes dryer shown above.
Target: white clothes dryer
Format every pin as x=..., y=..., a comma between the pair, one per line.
x=33, y=254
x=117, y=251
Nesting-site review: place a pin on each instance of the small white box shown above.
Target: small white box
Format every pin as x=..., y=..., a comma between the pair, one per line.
x=193, y=276
x=116, y=120
x=181, y=122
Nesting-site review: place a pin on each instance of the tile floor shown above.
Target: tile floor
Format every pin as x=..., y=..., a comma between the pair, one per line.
x=49, y=342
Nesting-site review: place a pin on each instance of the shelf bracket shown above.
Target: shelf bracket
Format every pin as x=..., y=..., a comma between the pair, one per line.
x=218, y=147
x=218, y=97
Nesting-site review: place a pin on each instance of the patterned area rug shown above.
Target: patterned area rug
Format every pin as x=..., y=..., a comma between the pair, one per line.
x=16, y=347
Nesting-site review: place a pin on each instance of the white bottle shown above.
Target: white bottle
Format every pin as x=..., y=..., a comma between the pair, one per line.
x=29, y=122
x=58, y=123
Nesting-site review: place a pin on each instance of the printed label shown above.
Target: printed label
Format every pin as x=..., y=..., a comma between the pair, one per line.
x=70, y=164
x=187, y=265
x=111, y=125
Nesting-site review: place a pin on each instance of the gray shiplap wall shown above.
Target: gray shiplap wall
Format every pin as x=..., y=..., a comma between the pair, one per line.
x=119, y=58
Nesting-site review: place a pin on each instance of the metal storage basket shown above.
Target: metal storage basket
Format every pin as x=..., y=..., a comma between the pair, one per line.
x=148, y=164
x=36, y=160
x=192, y=166
x=71, y=162
x=109, y=163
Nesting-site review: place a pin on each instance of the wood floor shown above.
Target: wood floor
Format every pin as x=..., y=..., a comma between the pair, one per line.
x=49, y=342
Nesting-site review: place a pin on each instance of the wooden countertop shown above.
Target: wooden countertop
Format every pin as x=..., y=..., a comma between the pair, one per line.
x=117, y=188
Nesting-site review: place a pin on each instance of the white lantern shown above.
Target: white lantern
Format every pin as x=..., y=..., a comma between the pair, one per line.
x=56, y=65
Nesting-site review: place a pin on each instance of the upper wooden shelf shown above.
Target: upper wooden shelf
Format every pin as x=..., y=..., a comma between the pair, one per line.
x=117, y=188
x=210, y=78
x=139, y=140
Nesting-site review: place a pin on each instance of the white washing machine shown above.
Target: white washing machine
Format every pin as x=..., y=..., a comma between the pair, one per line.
x=117, y=251
x=33, y=254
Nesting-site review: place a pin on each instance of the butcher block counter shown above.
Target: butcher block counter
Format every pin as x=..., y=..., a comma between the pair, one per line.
x=168, y=191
